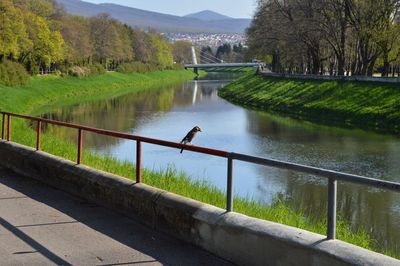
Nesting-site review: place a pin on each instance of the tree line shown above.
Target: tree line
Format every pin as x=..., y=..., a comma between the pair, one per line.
x=338, y=37
x=41, y=36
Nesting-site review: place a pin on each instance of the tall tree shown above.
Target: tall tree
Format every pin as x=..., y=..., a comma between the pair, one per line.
x=350, y=35
x=334, y=26
x=181, y=51
x=79, y=48
x=105, y=37
x=47, y=45
x=13, y=35
x=143, y=50
x=163, y=50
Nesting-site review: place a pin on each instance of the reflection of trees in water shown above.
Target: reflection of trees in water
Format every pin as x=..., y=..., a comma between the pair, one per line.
x=118, y=114
x=123, y=113
x=377, y=211
x=196, y=91
x=337, y=149
x=374, y=210
x=183, y=95
x=209, y=89
x=227, y=75
x=270, y=128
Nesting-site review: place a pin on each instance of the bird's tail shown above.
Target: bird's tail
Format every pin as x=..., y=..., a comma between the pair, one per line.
x=182, y=150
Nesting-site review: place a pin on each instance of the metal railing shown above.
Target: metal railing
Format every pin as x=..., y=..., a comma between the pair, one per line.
x=332, y=176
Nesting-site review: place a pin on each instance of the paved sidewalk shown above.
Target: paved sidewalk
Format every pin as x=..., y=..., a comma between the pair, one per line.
x=40, y=225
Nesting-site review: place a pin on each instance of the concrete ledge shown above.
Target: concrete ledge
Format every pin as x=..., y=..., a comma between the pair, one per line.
x=235, y=237
x=325, y=77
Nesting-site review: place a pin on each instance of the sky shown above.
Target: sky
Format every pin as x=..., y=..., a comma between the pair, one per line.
x=232, y=8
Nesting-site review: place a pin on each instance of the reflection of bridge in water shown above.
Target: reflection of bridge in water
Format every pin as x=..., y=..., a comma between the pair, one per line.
x=204, y=89
x=215, y=63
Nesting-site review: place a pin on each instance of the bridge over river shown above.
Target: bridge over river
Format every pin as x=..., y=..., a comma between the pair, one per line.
x=213, y=62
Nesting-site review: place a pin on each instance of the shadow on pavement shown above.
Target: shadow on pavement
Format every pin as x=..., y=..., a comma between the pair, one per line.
x=162, y=248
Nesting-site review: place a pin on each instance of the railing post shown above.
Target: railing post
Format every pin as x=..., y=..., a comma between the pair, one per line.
x=8, y=127
x=38, y=131
x=138, y=162
x=80, y=144
x=229, y=190
x=332, y=200
x=3, y=125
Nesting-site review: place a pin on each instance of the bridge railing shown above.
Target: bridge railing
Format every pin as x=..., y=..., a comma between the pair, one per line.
x=332, y=176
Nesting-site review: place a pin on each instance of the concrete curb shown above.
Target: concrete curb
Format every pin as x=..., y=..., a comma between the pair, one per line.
x=235, y=237
x=323, y=77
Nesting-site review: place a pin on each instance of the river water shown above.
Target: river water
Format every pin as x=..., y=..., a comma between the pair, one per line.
x=170, y=113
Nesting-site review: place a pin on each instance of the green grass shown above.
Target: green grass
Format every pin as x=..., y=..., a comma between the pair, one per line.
x=44, y=92
x=367, y=105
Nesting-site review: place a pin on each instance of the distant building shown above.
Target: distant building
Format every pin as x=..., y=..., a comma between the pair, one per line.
x=208, y=39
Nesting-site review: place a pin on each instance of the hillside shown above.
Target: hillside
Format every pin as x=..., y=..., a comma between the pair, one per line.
x=161, y=22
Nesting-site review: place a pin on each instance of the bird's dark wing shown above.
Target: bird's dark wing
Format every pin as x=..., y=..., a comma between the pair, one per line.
x=189, y=136
x=185, y=138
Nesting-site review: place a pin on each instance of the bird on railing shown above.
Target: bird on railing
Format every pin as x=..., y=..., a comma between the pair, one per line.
x=190, y=136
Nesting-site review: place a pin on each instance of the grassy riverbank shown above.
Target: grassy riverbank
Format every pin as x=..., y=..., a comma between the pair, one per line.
x=44, y=91
x=41, y=93
x=368, y=105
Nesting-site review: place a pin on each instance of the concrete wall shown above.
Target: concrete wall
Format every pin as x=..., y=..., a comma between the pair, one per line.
x=237, y=238
x=321, y=77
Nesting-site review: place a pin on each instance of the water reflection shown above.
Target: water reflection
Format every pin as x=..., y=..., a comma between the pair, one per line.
x=169, y=113
x=353, y=151
x=119, y=114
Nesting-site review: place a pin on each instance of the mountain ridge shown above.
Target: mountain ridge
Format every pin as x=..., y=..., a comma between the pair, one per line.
x=161, y=22
x=207, y=15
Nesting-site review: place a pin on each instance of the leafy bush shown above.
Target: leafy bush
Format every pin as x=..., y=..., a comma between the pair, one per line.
x=64, y=69
x=96, y=69
x=176, y=67
x=12, y=74
x=80, y=72
x=137, y=67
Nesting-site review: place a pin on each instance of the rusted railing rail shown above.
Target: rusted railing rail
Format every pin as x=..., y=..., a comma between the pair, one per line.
x=332, y=176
